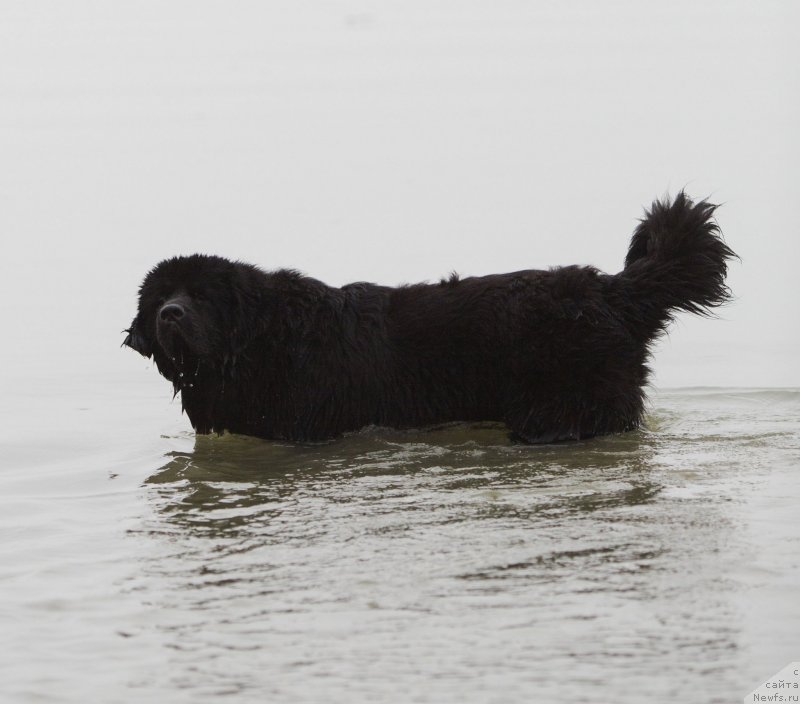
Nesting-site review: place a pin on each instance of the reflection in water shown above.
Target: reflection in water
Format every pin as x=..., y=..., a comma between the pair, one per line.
x=232, y=483
x=436, y=562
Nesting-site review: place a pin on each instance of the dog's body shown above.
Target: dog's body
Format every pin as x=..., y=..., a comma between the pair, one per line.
x=556, y=355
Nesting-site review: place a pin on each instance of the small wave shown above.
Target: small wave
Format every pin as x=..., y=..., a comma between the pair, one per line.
x=755, y=394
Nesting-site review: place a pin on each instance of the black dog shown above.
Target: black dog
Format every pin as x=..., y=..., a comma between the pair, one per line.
x=556, y=355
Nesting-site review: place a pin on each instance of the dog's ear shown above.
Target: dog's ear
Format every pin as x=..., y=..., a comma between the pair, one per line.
x=137, y=340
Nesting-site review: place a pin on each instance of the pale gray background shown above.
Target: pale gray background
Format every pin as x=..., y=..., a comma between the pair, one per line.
x=389, y=141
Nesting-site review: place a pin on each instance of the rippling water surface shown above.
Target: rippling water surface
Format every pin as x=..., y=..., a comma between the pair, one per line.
x=441, y=566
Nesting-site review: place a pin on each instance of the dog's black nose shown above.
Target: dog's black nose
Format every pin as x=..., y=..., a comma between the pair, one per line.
x=171, y=312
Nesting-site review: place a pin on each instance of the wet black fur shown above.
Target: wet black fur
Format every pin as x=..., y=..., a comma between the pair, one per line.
x=556, y=355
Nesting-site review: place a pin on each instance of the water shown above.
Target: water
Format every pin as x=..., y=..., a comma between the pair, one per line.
x=138, y=561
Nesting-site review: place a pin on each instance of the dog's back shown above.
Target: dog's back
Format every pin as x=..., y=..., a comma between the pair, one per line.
x=559, y=354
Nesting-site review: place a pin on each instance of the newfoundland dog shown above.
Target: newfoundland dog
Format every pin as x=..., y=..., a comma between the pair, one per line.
x=558, y=354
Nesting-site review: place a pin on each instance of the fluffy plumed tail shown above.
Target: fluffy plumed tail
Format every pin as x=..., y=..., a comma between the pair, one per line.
x=677, y=260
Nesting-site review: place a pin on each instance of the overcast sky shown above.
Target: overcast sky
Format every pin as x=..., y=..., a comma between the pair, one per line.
x=391, y=141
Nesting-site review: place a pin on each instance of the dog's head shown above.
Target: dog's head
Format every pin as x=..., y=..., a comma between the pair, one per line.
x=191, y=313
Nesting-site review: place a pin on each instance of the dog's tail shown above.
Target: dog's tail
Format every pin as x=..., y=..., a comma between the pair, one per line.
x=677, y=260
